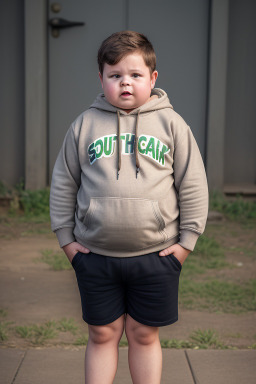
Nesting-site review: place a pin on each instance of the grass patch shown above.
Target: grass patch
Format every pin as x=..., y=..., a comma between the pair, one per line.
x=208, y=254
x=82, y=340
x=56, y=260
x=4, y=325
x=5, y=190
x=218, y=296
x=205, y=339
x=67, y=325
x=235, y=209
x=37, y=334
x=33, y=204
x=199, y=339
x=176, y=344
x=123, y=342
x=24, y=331
x=3, y=312
x=4, y=330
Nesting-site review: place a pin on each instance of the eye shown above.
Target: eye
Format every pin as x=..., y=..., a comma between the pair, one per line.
x=115, y=76
x=136, y=75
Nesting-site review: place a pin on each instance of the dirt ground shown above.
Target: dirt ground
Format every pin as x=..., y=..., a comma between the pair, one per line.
x=32, y=293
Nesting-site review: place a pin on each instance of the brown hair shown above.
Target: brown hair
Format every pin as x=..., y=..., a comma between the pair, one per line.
x=120, y=44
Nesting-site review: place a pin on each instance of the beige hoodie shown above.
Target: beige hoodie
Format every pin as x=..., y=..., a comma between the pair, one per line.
x=129, y=184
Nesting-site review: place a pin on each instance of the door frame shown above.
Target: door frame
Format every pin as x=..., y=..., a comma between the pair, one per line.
x=36, y=92
x=36, y=109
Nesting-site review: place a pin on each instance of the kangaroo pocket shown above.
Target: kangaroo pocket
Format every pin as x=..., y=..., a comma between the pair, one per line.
x=123, y=223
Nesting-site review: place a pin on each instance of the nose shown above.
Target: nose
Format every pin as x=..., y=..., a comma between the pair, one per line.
x=125, y=80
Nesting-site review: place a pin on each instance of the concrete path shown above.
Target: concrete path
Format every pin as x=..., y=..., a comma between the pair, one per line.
x=65, y=366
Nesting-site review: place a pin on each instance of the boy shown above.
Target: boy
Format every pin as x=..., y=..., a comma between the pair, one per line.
x=128, y=201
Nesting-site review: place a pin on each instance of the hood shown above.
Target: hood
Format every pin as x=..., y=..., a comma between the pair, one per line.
x=153, y=105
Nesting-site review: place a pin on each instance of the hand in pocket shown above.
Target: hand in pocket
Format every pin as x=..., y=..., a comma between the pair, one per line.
x=71, y=250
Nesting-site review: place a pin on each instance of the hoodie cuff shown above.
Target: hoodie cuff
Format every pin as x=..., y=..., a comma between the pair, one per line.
x=65, y=236
x=188, y=239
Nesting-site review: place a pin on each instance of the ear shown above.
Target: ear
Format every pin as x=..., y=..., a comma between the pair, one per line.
x=153, y=79
x=101, y=79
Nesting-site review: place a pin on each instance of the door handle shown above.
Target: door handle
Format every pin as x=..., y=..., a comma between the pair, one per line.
x=57, y=23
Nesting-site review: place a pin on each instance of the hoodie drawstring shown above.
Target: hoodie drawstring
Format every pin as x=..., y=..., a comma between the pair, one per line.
x=135, y=145
x=118, y=144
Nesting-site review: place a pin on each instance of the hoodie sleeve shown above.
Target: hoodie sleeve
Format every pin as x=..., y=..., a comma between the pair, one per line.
x=191, y=185
x=64, y=187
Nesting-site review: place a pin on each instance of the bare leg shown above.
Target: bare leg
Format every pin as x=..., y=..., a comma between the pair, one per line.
x=145, y=354
x=101, y=355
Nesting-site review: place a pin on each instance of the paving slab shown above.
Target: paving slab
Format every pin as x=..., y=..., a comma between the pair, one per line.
x=65, y=366
x=56, y=365
x=175, y=368
x=10, y=360
x=51, y=366
x=123, y=373
x=223, y=367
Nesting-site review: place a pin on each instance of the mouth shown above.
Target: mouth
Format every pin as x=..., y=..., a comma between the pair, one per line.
x=125, y=93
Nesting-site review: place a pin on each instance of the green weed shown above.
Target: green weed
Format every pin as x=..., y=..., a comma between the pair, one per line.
x=3, y=312
x=176, y=344
x=57, y=260
x=197, y=340
x=4, y=330
x=205, y=339
x=4, y=325
x=67, y=325
x=234, y=209
x=5, y=190
x=37, y=334
x=25, y=332
x=44, y=332
x=35, y=203
x=123, y=343
x=82, y=340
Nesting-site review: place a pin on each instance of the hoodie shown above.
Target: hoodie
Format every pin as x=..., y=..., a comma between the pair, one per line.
x=128, y=184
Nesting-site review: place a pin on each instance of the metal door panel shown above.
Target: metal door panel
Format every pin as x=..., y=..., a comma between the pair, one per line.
x=178, y=30
x=73, y=71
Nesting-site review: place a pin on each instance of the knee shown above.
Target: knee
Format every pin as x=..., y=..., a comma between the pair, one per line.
x=100, y=334
x=104, y=334
x=142, y=335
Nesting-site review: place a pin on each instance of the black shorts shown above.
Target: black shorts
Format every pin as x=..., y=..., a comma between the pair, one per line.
x=145, y=287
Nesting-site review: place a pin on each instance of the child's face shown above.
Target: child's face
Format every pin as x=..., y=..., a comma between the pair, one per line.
x=128, y=84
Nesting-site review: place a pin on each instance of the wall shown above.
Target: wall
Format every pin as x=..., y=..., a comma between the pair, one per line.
x=240, y=137
x=239, y=162
x=12, y=127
